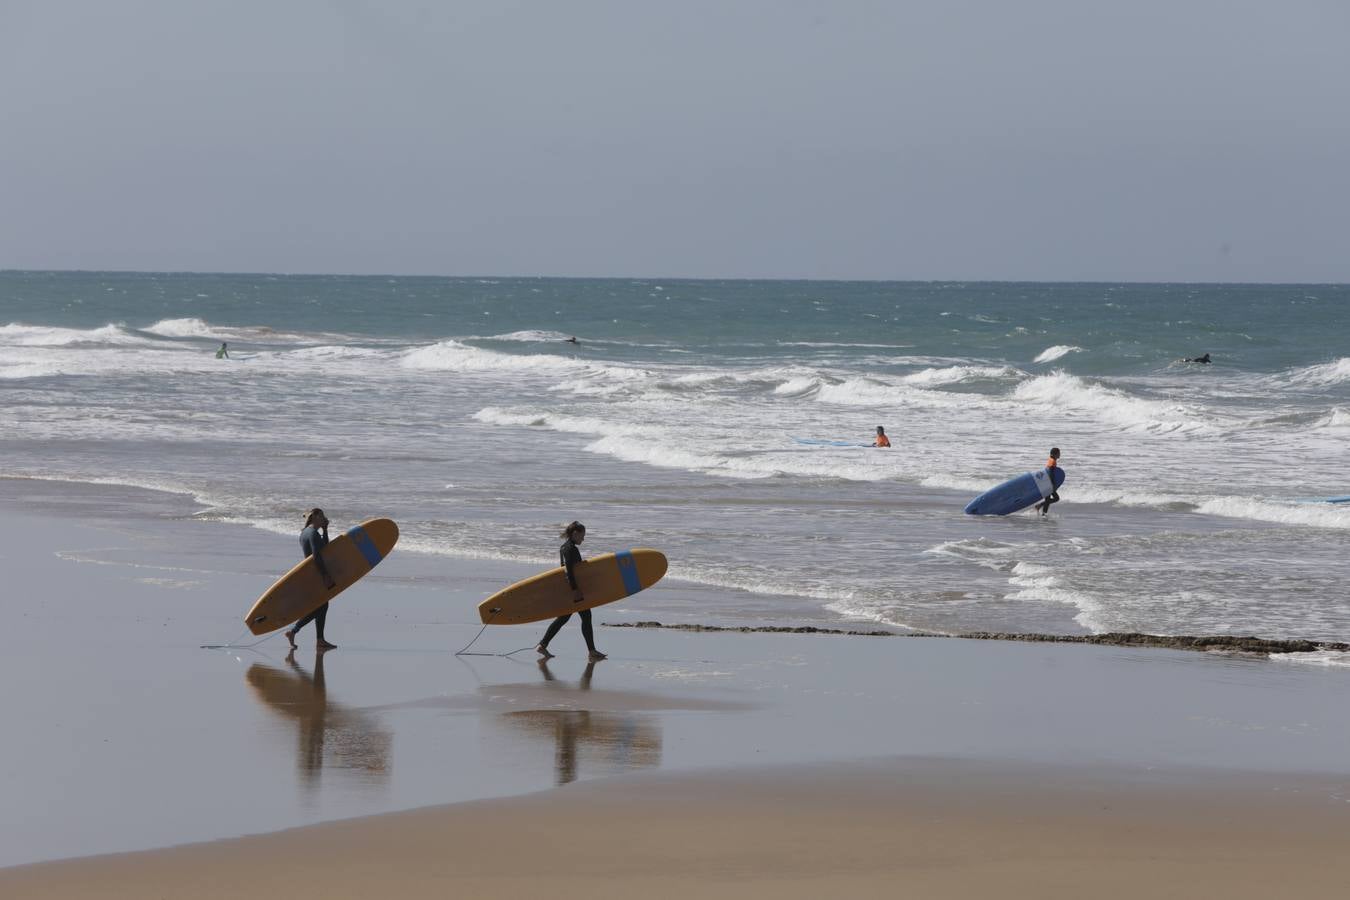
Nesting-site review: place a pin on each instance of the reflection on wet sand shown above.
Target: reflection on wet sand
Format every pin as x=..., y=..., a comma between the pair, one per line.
x=328, y=734
x=607, y=740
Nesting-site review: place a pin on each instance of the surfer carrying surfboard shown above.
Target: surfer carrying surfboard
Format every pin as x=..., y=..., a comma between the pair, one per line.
x=569, y=556
x=313, y=539
x=1053, y=497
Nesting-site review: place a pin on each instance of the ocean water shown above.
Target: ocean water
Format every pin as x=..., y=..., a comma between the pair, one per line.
x=455, y=406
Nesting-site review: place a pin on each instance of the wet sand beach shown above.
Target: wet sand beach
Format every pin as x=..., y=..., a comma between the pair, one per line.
x=725, y=763
x=912, y=829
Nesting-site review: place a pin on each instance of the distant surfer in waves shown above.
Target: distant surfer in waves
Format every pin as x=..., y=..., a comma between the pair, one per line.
x=1052, y=463
x=223, y=352
x=882, y=440
x=313, y=539
x=1203, y=360
x=571, y=340
x=569, y=555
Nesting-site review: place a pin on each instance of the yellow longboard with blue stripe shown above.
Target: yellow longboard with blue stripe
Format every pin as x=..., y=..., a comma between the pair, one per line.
x=602, y=579
x=300, y=591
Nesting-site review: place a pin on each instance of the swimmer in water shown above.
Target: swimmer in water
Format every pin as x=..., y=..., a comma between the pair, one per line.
x=223, y=352
x=882, y=440
x=1205, y=360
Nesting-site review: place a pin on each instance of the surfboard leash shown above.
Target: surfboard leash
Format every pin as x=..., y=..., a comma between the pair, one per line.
x=464, y=651
x=232, y=645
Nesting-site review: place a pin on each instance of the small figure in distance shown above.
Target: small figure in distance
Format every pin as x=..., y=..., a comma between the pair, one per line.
x=223, y=352
x=1044, y=505
x=569, y=555
x=1204, y=360
x=571, y=340
x=313, y=539
x=882, y=440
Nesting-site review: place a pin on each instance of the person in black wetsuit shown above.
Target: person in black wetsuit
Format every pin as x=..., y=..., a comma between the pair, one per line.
x=313, y=539
x=1200, y=359
x=569, y=555
x=1053, y=462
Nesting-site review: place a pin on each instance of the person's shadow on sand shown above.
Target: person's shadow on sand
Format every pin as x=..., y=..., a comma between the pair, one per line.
x=327, y=733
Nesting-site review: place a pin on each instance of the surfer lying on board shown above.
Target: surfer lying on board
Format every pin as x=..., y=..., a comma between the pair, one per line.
x=1053, y=462
x=882, y=440
x=313, y=539
x=569, y=555
x=1200, y=359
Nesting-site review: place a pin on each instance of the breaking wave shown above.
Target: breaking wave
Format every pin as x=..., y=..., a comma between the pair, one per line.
x=1062, y=391
x=1050, y=354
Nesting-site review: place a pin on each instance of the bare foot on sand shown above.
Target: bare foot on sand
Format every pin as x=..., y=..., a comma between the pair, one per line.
x=325, y=645
x=543, y=651
x=290, y=636
x=596, y=656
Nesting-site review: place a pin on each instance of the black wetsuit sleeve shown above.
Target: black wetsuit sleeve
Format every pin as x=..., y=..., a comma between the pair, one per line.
x=570, y=556
x=312, y=542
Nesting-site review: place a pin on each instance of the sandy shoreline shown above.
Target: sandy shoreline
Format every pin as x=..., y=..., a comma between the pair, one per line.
x=907, y=828
x=726, y=763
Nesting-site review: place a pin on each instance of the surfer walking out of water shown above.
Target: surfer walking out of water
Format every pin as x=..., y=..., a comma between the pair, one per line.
x=569, y=556
x=223, y=352
x=882, y=440
x=1052, y=463
x=313, y=539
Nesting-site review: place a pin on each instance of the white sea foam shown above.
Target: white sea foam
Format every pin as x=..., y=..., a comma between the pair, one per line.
x=1326, y=658
x=863, y=391
x=188, y=328
x=1337, y=418
x=1050, y=354
x=1322, y=375
x=962, y=374
x=1316, y=515
x=453, y=356
x=1069, y=393
x=800, y=386
x=844, y=345
x=980, y=551
x=529, y=336
x=203, y=330
x=17, y=335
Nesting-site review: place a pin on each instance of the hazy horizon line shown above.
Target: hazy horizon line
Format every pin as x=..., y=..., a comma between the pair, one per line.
x=668, y=278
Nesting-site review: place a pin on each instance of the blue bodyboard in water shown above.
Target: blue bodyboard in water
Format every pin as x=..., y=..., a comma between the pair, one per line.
x=1016, y=493
x=813, y=442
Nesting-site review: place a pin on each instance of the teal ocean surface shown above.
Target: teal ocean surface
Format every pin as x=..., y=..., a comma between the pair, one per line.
x=457, y=407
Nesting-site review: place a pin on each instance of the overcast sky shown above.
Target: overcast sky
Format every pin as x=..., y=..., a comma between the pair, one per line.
x=964, y=139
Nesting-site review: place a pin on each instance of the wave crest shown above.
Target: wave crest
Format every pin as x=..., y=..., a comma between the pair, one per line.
x=1050, y=354
x=1323, y=375
x=962, y=374
x=17, y=335
x=1113, y=406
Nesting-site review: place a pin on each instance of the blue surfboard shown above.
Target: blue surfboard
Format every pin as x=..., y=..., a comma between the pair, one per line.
x=813, y=442
x=1016, y=493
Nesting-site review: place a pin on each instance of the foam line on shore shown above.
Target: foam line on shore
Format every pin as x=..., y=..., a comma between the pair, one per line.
x=1205, y=643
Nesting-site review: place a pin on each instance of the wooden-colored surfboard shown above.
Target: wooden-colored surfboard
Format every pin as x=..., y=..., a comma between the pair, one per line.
x=602, y=579
x=300, y=591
